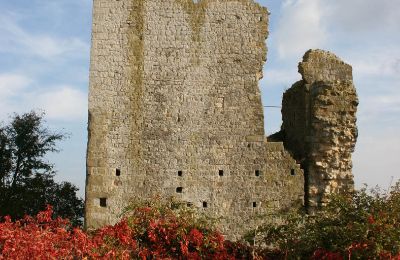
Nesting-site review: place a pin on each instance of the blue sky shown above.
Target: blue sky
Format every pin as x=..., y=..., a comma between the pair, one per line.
x=44, y=64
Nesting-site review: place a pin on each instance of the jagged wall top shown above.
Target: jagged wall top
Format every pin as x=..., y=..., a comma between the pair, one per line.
x=320, y=65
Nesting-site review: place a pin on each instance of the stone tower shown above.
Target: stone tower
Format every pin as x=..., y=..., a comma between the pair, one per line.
x=319, y=124
x=175, y=110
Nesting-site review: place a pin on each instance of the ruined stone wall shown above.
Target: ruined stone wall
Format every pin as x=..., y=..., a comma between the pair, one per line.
x=295, y=119
x=319, y=122
x=175, y=110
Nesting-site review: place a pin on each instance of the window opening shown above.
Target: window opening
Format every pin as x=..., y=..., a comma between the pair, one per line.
x=103, y=202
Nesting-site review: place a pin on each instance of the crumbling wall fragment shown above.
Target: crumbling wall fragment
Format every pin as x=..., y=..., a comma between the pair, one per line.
x=319, y=124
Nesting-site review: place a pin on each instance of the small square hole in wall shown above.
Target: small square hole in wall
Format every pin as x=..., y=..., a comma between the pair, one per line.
x=292, y=172
x=118, y=172
x=179, y=190
x=103, y=202
x=254, y=204
x=258, y=173
x=221, y=172
x=180, y=173
x=205, y=204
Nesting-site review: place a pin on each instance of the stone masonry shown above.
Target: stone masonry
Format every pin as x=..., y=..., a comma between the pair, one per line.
x=175, y=110
x=319, y=124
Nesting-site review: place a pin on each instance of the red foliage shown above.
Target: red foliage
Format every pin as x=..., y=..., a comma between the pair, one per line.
x=322, y=254
x=42, y=238
x=147, y=233
x=144, y=234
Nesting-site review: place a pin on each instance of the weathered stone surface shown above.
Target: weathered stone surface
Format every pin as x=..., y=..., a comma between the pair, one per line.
x=319, y=65
x=175, y=109
x=319, y=124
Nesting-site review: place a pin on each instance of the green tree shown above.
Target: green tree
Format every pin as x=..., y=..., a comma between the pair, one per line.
x=26, y=178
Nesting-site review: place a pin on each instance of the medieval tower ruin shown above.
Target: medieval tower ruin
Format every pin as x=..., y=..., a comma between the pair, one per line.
x=319, y=125
x=175, y=110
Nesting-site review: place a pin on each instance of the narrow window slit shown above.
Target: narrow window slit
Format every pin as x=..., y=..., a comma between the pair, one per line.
x=257, y=172
x=103, y=202
x=118, y=172
x=221, y=172
x=180, y=173
x=254, y=204
x=179, y=190
x=205, y=204
x=292, y=172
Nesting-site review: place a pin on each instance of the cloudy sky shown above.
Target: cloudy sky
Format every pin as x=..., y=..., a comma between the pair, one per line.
x=44, y=64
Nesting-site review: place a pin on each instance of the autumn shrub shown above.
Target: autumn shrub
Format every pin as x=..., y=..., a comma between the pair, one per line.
x=153, y=229
x=358, y=226
x=42, y=237
x=159, y=229
x=361, y=225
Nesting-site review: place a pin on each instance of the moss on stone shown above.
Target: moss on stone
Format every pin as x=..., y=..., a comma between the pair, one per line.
x=136, y=60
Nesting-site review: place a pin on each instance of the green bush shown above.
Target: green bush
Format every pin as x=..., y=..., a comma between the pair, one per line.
x=362, y=225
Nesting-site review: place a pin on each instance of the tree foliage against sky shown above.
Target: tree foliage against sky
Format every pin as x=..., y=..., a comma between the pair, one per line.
x=26, y=177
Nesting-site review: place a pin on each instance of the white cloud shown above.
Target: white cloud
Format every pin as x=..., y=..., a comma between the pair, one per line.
x=48, y=47
x=11, y=84
x=36, y=53
x=19, y=41
x=377, y=79
x=380, y=110
x=18, y=94
x=11, y=87
x=355, y=24
x=363, y=16
x=299, y=28
x=279, y=77
x=376, y=158
x=65, y=102
x=379, y=62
